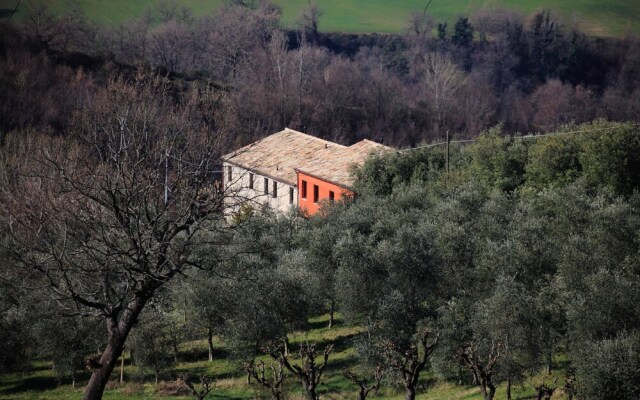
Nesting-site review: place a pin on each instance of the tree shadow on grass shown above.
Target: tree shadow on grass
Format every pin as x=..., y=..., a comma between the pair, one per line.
x=193, y=355
x=226, y=396
x=341, y=343
x=6, y=13
x=322, y=324
x=37, y=383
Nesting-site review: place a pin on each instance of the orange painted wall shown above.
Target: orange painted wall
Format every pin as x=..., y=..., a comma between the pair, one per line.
x=307, y=204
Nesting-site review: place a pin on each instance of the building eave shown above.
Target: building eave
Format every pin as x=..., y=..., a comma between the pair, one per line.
x=258, y=172
x=342, y=185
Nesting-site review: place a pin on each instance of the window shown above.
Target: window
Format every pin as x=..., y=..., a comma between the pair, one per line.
x=290, y=195
x=250, y=180
x=229, y=175
x=331, y=195
x=266, y=186
x=316, y=193
x=304, y=189
x=275, y=189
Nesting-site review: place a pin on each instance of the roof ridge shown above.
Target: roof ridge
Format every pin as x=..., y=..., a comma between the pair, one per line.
x=313, y=137
x=373, y=142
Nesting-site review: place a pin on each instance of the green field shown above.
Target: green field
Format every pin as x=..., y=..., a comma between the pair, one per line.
x=40, y=383
x=600, y=18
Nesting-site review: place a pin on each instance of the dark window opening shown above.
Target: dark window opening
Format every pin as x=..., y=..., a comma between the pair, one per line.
x=331, y=195
x=266, y=186
x=316, y=193
x=229, y=175
x=290, y=195
x=275, y=189
x=304, y=189
x=250, y=180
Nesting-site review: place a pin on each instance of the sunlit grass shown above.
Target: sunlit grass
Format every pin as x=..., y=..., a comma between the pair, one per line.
x=40, y=382
x=600, y=18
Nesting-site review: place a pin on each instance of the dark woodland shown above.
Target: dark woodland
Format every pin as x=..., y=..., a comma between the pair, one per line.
x=511, y=253
x=527, y=74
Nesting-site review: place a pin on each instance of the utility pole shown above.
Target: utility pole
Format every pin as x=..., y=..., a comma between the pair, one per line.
x=447, y=157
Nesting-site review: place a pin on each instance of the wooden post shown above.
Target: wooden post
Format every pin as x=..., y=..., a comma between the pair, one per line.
x=122, y=367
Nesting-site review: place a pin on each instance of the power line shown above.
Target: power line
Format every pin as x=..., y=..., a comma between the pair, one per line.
x=513, y=137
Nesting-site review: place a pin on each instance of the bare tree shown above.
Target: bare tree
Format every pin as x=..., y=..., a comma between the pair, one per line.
x=168, y=10
x=473, y=109
x=308, y=20
x=169, y=44
x=42, y=27
x=128, y=41
x=443, y=79
x=420, y=24
x=552, y=103
x=70, y=31
x=109, y=214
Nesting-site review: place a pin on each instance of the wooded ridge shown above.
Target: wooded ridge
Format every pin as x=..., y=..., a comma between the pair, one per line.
x=488, y=264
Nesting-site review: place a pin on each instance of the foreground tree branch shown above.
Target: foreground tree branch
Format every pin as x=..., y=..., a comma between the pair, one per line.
x=113, y=211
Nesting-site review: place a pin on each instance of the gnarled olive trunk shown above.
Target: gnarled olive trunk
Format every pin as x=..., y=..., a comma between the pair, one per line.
x=210, y=342
x=410, y=393
x=490, y=394
x=311, y=394
x=332, y=312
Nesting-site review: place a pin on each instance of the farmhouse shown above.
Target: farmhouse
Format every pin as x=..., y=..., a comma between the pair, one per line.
x=293, y=169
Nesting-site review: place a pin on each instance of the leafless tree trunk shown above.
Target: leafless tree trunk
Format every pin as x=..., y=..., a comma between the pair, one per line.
x=210, y=342
x=88, y=216
x=443, y=79
x=332, y=311
x=309, y=21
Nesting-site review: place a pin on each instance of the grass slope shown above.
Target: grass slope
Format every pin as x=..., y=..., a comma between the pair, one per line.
x=40, y=383
x=597, y=17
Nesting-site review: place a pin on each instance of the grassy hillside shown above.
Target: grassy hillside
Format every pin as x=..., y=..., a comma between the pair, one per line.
x=601, y=18
x=231, y=383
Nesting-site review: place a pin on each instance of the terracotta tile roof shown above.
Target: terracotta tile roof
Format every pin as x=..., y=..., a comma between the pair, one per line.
x=281, y=154
x=338, y=167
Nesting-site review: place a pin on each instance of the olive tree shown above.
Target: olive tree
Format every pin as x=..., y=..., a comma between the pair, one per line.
x=151, y=343
x=389, y=275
